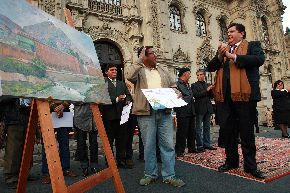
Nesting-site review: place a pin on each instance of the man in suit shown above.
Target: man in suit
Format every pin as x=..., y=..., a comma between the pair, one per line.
x=185, y=134
x=202, y=93
x=237, y=91
x=111, y=114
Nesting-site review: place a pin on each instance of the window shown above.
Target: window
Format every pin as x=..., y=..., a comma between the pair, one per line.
x=223, y=30
x=112, y=2
x=200, y=25
x=175, y=18
x=265, y=31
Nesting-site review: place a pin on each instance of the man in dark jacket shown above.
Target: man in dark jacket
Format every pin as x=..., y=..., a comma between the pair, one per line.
x=111, y=114
x=185, y=116
x=16, y=118
x=202, y=93
x=236, y=92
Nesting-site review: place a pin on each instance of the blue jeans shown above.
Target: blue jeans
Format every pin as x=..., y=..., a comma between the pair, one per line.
x=63, y=141
x=159, y=124
x=203, y=130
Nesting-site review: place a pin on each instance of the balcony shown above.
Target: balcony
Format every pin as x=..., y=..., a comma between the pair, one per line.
x=106, y=8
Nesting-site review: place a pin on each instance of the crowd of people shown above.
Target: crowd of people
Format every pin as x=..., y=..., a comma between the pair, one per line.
x=235, y=92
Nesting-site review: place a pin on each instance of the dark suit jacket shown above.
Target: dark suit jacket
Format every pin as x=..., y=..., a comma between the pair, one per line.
x=114, y=111
x=188, y=110
x=251, y=62
x=281, y=100
x=202, y=97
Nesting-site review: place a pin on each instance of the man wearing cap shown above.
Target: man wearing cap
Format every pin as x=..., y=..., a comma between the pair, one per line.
x=185, y=135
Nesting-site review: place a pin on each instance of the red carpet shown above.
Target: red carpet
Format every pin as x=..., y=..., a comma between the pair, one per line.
x=273, y=158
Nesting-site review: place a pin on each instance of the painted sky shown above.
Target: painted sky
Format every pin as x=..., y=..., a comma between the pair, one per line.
x=23, y=14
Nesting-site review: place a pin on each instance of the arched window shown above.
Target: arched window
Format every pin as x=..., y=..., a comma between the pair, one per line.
x=265, y=30
x=112, y=2
x=175, y=18
x=200, y=25
x=223, y=30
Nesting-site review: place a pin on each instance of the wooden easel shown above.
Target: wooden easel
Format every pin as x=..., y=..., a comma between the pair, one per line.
x=40, y=112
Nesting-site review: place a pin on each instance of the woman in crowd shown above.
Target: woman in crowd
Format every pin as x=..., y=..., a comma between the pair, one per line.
x=281, y=107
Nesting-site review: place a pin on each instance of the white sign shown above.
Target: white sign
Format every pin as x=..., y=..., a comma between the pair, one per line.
x=162, y=98
x=65, y=121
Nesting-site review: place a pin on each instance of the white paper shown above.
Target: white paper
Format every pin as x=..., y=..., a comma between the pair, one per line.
x=162, y=98
x=65, y=121
x=126, y=113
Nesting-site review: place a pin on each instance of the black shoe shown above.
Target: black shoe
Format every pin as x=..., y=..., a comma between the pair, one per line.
x=85, y=172
x=31, y=177
x=141, y=158
x=95, y=170
x=285, y=136
x=12, y=185
x=226, y=167
x=210, y=148
x=200, y=150
x=121, y=164
x=129, y=164
x=179, y=154
x=256, y=173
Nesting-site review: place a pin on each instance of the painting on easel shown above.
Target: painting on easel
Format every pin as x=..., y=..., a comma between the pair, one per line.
x=40, y=56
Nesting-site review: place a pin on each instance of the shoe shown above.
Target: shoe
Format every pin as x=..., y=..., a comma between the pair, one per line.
x=174, y=181
x=200, y=150
x=226, y=167
x=256, y=173
x=285, y=136
x=12, y=185
x=129, y=164
x=45, y=179
x=85, y=172
x=121, y=164
x=95, y=170
x=141, y=158
x=70, y=173
x=210, y=148
x=179, y=154
x=31, y=177
x=146, y=180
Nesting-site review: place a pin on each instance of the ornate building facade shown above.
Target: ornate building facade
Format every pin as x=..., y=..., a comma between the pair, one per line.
x=183, y=32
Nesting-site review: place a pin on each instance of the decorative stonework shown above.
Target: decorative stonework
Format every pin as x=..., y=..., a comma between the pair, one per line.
x=204, y=53
x=48, y=6
x=180, y=56
x=155, y=24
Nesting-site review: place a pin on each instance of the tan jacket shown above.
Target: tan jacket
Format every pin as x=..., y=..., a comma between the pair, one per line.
x=135, y=73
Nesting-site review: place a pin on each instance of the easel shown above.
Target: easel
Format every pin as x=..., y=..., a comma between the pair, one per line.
x=40, y=112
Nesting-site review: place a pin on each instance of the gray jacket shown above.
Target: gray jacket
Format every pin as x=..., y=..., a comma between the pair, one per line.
x=83, y=117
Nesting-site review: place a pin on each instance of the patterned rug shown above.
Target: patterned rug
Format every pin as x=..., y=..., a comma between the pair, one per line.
x=273, y=159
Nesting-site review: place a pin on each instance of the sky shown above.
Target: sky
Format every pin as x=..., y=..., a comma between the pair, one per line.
x=286, y=15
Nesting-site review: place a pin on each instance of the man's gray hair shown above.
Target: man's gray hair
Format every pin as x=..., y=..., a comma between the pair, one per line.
x=201, y=70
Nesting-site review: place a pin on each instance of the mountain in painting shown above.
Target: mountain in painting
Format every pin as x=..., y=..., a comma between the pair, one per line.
x=47, y=33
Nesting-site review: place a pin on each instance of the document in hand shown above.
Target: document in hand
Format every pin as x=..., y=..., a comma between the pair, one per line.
x=65, y=121
x=162, y=98
x=126, y=113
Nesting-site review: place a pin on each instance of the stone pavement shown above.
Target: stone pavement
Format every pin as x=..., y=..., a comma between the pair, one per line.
x=198, y=179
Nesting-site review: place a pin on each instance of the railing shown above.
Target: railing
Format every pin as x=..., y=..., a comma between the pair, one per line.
x=105, y=7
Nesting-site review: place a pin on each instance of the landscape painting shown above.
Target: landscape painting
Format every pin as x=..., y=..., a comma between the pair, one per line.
x=40, y=56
